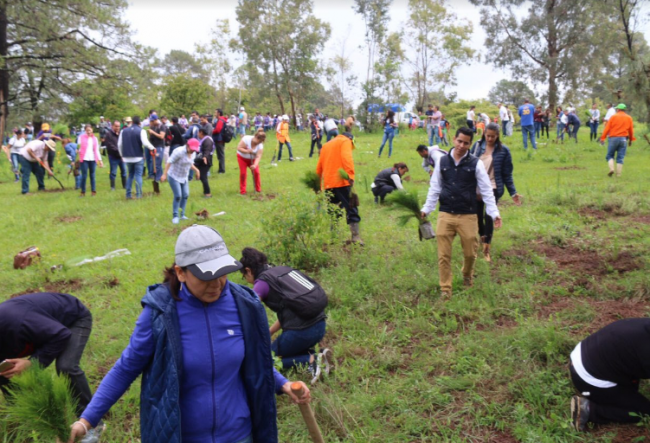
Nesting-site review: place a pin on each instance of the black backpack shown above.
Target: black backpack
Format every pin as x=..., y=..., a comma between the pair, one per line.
x=300, y=293
x=227, y=133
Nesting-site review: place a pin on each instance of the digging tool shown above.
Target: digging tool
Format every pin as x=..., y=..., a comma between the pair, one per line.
x=308, y=415
x=156, y=185
x=53, y=176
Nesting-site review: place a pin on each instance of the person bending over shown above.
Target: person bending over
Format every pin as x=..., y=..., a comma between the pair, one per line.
x=388, y=180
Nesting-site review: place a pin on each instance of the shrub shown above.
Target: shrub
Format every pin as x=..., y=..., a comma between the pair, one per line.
x=39, y=406
x=298, y=231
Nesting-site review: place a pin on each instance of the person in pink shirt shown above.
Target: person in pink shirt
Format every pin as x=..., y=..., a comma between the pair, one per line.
x=89, y=158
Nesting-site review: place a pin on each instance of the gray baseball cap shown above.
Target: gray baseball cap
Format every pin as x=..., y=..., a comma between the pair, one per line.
x=202, y=250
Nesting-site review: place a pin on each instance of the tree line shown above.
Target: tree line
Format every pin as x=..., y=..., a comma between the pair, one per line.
x=73, y=60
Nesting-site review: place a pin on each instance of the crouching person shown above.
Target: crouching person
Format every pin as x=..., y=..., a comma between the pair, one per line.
x=388, y=180
x=299, y=303
x=46, y=327
x=606, y=368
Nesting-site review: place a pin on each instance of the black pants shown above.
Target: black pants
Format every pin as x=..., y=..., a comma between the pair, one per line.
x=203, y=170
x=221, y=156
x=485, y=222
x=67, y=363
x=380, y=192
x=544, y=128
x=470, y=125
x=341, y=198
x=314, y=142
x=612, y=405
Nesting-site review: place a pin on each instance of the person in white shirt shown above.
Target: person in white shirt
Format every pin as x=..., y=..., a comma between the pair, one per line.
x=331, y=129
x=505, y=119
x=33, y=160
x=430, y=157
x=13, y=152
x=610, y=112
x=471, y=118
x=454, y=183
x=249, y=155
x=511, y=122
x=594, y=112
x=177, y=171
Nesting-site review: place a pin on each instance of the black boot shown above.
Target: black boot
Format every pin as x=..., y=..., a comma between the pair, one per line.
x=112, y=184
x=123, y=182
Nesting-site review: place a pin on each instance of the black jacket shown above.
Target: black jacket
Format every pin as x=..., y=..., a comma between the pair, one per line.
x=37, y=325
x=110, y=141
x=502, y=164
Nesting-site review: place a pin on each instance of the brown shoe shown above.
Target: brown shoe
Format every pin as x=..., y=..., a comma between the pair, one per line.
x=486, y=252
x=83, y=194
x=445, y=295
x=93, y=194
x=468, y=282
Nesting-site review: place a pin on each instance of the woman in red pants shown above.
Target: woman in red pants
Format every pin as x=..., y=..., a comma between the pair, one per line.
x=249, y=154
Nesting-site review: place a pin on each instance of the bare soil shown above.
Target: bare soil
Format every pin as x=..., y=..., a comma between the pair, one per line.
x=203, y=214
x=262, y=197
x=69, y=218
x=57, y=189
x=568, y=168
x=606, y=212
x=63, y=286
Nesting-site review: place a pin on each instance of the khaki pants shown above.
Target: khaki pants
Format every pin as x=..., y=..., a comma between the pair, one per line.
x=466, y=226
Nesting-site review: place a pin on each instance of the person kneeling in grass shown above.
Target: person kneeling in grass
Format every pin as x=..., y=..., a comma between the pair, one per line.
x=176, y=171
x=388, y=180
x=45, y=327
x=203, y=348
x=606, y=368
x=299, y=303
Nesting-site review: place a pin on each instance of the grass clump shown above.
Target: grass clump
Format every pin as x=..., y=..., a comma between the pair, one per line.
x=39, y=406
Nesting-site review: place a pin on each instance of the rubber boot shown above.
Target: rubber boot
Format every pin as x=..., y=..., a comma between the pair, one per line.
x=356, y=237
x=123, y=182
x=611, y=167
x=112, y=184
x=619, y=170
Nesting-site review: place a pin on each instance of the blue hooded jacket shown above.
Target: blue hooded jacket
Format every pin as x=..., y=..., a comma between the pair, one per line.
x=502, y=164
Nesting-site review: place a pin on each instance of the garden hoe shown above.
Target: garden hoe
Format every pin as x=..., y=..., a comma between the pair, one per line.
x=308, y=416
x=156, y=185
x=53, y=176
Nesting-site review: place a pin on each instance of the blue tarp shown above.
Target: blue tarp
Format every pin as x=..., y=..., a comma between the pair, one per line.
x=374, y=107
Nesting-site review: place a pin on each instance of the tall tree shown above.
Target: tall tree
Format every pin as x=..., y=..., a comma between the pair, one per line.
x=180, y=93
x=283, y=43
x=439, y=49
x=182, y=62
x=388, y=69
x=510, y=92
x=552, y=42
x=341, y=70
x=47, y=46
x=213, y=56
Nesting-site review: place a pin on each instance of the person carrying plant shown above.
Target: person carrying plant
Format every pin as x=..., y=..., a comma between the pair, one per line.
x=43, y=328
x=388, y=180
x=454, y=183
x=606, y=368
x=335, y=156
x=498, y=163
x=430, y=156
x=203, y=347
x=300, y=305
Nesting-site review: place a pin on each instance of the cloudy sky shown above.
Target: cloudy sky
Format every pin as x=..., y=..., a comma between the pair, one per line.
x=182, y=24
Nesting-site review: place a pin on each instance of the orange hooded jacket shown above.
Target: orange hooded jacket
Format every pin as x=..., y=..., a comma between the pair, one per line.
x=336, y=154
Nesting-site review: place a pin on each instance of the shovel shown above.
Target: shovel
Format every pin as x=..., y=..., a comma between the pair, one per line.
x=53, y=176
x=308, y=416
x=156, y=185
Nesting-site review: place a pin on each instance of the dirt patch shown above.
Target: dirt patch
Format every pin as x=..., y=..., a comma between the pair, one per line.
x=69, y=218
x=568, y=168
x=607, y=211
x=63, y=286
x=645, y=219
x=49, y=191
x=113, y=282
x=262, y=197
x=624, y=433
x=203, y=214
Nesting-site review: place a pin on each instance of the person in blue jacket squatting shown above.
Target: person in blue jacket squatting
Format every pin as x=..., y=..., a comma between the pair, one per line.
x=202, y=344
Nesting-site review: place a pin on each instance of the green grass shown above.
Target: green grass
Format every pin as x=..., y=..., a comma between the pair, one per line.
x=489, y=365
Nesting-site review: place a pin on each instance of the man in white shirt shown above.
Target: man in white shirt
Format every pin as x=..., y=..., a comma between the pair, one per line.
x=431, y=156
x=33, y=159
x=471, y=118
x=610, y=112
x=505, y=118
x=454, y=182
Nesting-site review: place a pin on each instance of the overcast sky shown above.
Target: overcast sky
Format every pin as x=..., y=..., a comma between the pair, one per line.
x=180, y=24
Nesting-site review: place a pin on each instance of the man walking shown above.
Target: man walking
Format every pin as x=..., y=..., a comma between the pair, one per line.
x=110, y=140
x=505, y=119
x=220, y=123
x=243, y=122
x=157, y=132
x=619, y=129
x=131, y=143
x=454, y=182
x=527, y=113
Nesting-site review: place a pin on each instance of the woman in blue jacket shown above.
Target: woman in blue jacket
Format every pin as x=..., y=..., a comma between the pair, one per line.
x=389, y=132
x=498, y=164
x=203, y=347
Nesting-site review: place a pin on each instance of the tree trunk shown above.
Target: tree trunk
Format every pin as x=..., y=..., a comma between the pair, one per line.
x=293, y=105
x=275, y=85
x=4, y=72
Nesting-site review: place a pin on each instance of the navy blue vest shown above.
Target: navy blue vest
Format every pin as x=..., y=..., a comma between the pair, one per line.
x=131, y=142
x=458, y=187
x=384, y=178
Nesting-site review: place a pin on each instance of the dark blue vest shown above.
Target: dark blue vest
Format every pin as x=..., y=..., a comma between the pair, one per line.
x=458, y=187
x=131, y=142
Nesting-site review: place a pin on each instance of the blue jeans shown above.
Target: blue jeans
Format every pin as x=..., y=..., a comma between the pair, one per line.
x=433, y=135
x=594, y=128
x=525, y=130
x=116, y=163
x=159, y=161
x=560, y=130
x=242, y=129
x=135, y=172
x=26, y=169
x=280, y=150
x=538, y=128
x=504, y=127
x=87, y=166
x=574, y=132
x=149, y=159
x=295, y=347
x=181, y=192
x=331, y=134
x=15, y=164
x=618, y=146
x=388, y=136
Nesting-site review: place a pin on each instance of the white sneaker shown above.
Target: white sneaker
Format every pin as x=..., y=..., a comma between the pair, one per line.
x=184, y=218
x=175, y=220
x=327, y=360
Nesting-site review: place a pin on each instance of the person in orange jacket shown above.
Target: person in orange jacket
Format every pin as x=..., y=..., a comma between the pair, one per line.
x=335, y=155
x=620, y=129
x=282, y=134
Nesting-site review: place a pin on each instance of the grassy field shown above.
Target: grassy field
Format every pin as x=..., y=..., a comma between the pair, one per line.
x=490, y=365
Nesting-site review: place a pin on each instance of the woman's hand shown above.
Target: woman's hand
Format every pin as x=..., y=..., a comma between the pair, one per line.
x=20, y=365
x=78, y=430
x=101, y=164
x=306, y=395
x=253, y=167
x=163, y=178
x=498, y=222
